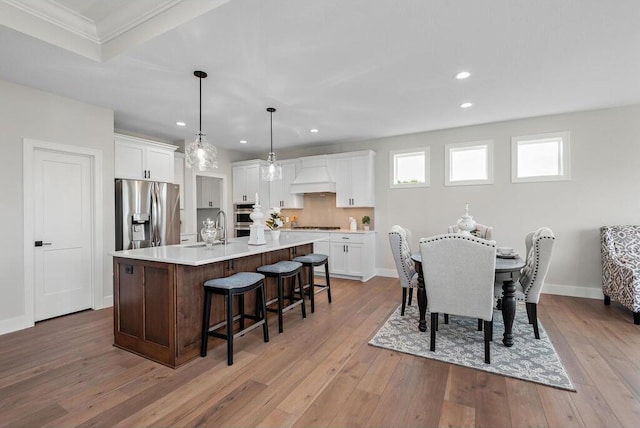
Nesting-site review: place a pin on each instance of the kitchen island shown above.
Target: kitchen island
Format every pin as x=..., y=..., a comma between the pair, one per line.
x=159, y=296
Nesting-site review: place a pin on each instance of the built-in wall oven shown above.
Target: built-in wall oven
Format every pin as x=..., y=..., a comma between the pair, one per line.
x=242, y=219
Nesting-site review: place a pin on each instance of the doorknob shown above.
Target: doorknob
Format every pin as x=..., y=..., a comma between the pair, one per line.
x=40, y=243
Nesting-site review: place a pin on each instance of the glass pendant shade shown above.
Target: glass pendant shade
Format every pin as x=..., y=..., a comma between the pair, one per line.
x=271, y=170
x=199, y=153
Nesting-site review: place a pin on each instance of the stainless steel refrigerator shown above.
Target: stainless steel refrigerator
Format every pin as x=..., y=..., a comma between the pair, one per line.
x=147, y=214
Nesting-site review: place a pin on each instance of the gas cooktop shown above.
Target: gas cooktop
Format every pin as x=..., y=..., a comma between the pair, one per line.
x=317, y=227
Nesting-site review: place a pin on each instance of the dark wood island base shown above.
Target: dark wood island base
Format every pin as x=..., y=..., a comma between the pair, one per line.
x=158, y=306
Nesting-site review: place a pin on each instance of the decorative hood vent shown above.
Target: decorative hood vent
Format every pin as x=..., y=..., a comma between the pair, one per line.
x=314, y=177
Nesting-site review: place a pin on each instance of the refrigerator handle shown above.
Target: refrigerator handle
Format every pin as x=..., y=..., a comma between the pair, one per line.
x=155, y=214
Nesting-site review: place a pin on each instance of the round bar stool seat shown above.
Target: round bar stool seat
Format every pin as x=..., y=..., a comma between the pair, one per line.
x=235, y=285
x=281, y=270
x=310, y=261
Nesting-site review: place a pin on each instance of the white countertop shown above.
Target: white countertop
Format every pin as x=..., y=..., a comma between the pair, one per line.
x=326, y=231
x=197, y=254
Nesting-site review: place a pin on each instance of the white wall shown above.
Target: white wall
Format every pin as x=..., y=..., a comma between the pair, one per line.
x=605, y=155
x=605, y=151
x=29, y=113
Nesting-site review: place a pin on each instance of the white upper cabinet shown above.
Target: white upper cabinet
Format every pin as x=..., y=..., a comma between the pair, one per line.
x=140, y=159
x=208, y=192
x=354, y=174
x=246, y=183
x=280, y=190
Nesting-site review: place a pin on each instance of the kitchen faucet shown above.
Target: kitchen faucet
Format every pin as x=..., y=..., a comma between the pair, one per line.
x=223, y=238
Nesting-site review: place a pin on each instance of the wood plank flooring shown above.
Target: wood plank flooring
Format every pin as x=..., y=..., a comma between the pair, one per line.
x=319, y=372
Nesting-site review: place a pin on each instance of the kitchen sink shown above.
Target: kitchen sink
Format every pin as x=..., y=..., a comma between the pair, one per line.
x=202, y=245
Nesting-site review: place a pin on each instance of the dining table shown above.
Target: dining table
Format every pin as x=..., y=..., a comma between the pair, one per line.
x=504, y=265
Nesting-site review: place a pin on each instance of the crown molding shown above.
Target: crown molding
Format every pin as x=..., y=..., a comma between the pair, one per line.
x=100, y=39
x=58, y=15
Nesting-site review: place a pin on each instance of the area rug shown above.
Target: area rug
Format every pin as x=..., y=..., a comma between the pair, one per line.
x=460, y=343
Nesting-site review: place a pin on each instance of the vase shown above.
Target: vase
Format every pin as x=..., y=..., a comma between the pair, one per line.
x=466, y=224
x=209, y=232
x=275, y=235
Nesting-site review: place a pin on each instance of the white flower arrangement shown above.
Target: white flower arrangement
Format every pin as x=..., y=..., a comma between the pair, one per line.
x=275, y=220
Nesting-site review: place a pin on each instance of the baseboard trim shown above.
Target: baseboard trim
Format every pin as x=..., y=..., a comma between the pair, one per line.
x=389, y=273
x=573, y=291
x=557, y=289
x=107, y=302
x=21, y=322
x=14, y=324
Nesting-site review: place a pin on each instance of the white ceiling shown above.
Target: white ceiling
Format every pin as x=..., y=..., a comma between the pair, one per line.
x=354, y=69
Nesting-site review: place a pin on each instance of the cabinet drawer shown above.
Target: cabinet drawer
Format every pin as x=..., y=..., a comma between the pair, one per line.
x=355, y=238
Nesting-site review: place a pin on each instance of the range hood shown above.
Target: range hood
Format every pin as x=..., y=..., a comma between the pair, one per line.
x=314, y=176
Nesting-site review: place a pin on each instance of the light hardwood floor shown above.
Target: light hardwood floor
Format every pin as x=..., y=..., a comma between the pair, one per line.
x=319, y=372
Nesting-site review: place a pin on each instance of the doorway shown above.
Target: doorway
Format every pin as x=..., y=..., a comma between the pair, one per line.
x=209, y=197
x=62, y=229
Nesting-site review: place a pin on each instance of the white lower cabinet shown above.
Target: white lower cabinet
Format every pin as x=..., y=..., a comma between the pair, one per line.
x=322, y=247
x=346, y=259
x=351, y=255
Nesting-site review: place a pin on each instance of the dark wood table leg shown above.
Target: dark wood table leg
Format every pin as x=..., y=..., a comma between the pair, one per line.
x=508, y=310
x=422, y=299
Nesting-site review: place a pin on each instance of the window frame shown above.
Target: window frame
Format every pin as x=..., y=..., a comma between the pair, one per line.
x=564, y=162
x=426, y=151
x=449, y=148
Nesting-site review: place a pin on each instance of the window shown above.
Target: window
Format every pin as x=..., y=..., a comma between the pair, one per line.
x=543, y=157
x=469, y=163
x=410, y=168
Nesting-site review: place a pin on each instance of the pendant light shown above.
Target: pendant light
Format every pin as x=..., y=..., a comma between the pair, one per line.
x=271, y=170
x=199, y=153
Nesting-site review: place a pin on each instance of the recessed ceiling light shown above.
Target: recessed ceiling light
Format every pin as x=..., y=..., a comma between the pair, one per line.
x=181, y=124
x=243, y=141
x=466, y=105
x=314, y=130
x=463, y=75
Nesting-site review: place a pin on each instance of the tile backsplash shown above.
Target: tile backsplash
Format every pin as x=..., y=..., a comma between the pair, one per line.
x=320, y=210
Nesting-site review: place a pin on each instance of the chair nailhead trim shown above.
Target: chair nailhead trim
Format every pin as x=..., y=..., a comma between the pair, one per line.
x=457, y=236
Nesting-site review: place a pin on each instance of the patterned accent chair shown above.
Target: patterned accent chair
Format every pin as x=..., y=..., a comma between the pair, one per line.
x=481, y=231
x=399, y=240
x=620, y=246
x=539, y=246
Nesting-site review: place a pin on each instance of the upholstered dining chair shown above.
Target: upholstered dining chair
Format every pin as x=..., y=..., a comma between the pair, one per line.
x=459, y=280
x=539, y=247
x=481, y=231
x=399, y=239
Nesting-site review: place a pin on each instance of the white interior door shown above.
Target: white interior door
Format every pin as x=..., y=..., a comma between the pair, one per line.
x=63, y=269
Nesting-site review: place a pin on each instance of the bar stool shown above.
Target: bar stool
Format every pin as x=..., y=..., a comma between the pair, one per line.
x=235, y=285
x=280, y=271
x=310, y=261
